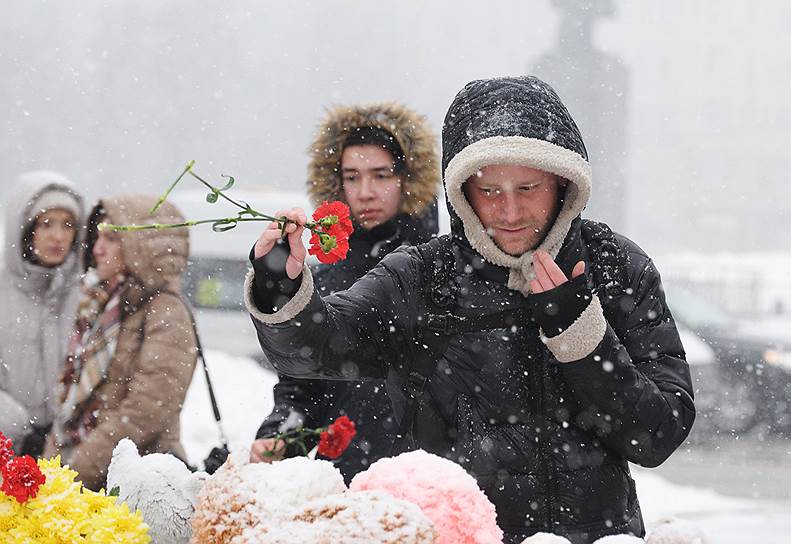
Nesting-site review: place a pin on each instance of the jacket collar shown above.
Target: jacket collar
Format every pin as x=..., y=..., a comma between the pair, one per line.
x=569, y=254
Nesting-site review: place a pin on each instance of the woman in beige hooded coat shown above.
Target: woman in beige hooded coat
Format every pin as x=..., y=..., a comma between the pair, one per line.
x=133, y=349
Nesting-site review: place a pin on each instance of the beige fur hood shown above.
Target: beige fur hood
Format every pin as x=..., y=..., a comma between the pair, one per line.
x=409, y=129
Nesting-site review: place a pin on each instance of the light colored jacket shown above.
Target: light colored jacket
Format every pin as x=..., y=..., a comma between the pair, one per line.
x=155, y=355
x=37, y=307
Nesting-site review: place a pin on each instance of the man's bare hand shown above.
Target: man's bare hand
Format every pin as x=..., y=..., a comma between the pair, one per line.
x=548, y=273
x=267, y=450
x=294, y=234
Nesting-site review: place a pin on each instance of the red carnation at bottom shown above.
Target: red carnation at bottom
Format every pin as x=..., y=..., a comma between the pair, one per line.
x=335, y=254
x=22, y=478
x=334, y=441
x=6, y=450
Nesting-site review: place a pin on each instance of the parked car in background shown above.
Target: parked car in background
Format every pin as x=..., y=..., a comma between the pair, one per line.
x=214, y=279
x=742, y=378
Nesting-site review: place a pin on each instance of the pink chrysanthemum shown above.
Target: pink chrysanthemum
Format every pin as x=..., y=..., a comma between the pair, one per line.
x=451, y=498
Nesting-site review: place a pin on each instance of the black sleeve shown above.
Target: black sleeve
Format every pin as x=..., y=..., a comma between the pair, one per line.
x=272, y=287
x=352, y=334
x=635, y=390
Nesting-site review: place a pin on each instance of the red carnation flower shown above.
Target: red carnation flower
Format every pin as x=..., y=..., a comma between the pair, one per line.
x=333, y=226
x=328, y=248
x=22, y=478
x=334, y=441
x=334, y=213
x=6, y=450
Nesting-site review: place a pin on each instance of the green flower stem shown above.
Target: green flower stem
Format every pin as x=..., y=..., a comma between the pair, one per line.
x=221, y=193
x=225, y=220
x=295, y=436
x=165, y=195
x=221, y=224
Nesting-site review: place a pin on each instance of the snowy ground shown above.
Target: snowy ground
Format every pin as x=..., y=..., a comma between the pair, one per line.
x=244, y=395
x=244, y=392
x=725, y=520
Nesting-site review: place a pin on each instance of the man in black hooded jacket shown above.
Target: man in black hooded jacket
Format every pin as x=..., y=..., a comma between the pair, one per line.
x=361, y=154
x=555, y=357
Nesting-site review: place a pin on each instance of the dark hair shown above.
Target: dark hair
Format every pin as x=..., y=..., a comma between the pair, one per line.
x=91, y=234
x=27, y=242
x=28, y=253
x=379, y=137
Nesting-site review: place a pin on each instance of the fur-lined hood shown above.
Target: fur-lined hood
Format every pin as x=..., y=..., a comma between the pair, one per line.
x=409, y=129
x=519, y=121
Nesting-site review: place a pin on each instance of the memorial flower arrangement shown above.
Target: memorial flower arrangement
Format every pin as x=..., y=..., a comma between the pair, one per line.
x=41, y=502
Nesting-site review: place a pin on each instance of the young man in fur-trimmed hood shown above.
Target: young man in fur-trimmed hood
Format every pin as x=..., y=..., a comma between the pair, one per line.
x=531, y=346
x=382, y=160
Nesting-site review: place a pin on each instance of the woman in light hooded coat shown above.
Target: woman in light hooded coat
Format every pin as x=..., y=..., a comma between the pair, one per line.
x=133, y=349
x=39, y=294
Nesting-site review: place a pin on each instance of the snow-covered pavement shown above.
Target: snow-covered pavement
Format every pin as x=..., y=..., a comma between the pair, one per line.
x=725, y=520
x=244, y=392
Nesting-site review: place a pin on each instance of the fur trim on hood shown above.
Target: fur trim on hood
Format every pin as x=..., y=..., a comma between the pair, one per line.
x=409, y=129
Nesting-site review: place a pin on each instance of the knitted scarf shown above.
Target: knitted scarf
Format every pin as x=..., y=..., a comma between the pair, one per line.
x=90, y=352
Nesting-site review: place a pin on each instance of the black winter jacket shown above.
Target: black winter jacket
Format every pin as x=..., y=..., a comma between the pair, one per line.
x=317, y=403
x=548, y=442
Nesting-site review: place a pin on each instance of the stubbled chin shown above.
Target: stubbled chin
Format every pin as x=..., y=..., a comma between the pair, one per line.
x=514, y=250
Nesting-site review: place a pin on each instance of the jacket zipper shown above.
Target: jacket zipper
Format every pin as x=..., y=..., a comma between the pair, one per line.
x=541, y=398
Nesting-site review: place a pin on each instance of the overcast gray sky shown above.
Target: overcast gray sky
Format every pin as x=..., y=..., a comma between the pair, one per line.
x=119, y=95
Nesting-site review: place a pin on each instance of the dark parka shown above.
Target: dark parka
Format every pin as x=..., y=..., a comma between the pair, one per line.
x=547, y=440
x=316, y=403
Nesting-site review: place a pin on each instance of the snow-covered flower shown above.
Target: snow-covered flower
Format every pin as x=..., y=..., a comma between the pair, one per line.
x=447, y=494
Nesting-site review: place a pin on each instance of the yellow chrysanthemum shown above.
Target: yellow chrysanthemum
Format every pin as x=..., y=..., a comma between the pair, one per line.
x=64, y=512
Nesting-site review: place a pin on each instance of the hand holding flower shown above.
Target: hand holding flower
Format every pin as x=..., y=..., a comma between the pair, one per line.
x=293, y=229
x=333, y=441
x=267, y=450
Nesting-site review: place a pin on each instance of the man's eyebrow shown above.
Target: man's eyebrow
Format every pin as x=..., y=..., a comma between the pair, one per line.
x=374, y=169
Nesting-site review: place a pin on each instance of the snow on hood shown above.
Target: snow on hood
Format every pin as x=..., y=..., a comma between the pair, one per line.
x=515, y=121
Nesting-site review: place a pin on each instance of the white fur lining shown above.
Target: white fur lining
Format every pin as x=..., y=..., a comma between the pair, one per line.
x=582, y=337
x=291, y=308
x=518, y=150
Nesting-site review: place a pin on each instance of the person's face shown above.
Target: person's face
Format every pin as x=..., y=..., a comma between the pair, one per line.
x=517, y=205
x=107, y=255
x=53, y=237
x=372, y=189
